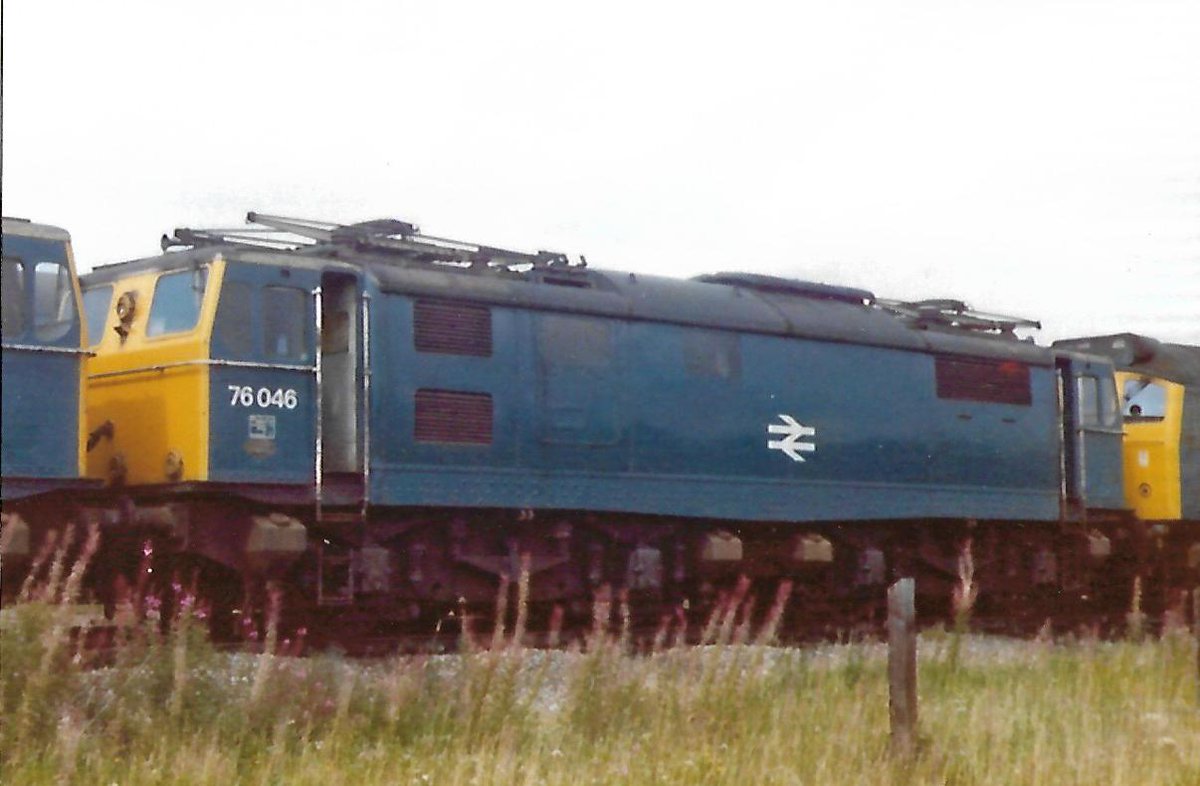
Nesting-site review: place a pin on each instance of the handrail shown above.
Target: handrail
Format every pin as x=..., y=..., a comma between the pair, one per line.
x=318, y=476
x=205, y=362
x=366, y=402
x=52, y=350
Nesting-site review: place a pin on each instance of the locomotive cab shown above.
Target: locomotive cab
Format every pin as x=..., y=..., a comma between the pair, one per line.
x=1091, y=444
x=1152, y=408
x=43, y=359
x=210, y=368
x=148, y=381
x=43, y=353
x=227, y=393
x=1159, y=387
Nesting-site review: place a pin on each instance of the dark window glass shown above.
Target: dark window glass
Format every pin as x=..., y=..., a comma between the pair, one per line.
x=452, y=328
x=54, y=311
x=989, y=381
x=712, y=354
x=335, y=333
x=285, y=314
x=1088, y=389
x=1144, y=399
x=453, y=416
x=234, y=326
x=12, y=291
x=1110, y=414
x=96, y=305
x=581, y=342
x=176, y=304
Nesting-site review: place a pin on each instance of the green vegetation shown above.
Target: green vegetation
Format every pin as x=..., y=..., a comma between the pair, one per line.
x=169, y=708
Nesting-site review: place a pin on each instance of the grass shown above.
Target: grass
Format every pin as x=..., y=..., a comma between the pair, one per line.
x=169, y=708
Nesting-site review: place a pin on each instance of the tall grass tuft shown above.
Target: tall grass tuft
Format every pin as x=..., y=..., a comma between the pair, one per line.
x=167, y=707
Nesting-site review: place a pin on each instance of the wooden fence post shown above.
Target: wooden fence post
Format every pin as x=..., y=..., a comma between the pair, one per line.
x=902, y=665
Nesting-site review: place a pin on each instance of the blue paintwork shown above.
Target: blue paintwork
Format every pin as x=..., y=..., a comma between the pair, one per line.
x=688, y=445
x=41, y=421
x=649, y=435
x=235, y=454
x=40, y=441
x=1101, y=444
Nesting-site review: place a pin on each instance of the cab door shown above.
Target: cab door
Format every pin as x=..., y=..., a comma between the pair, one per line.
x=262, y=379
x=341, y=377
x=1092, y=435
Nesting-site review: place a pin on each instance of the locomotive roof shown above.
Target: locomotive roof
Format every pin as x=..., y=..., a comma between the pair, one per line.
x=1144, y=355
x=23, y=227
x=545, y=281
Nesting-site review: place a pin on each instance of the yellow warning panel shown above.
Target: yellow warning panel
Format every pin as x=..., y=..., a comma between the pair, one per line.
x=1153, y=412
x=149, y=378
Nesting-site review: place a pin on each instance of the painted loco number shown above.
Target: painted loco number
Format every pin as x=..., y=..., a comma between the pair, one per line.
x=247, y=396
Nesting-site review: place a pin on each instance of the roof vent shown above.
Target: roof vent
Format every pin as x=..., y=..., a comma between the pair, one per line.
x=790, y=286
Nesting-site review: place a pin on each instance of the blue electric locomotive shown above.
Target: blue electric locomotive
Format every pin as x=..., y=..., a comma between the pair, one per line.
x=41, y=453
x=391, y=423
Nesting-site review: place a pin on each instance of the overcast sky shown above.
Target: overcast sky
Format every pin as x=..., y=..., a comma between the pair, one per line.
x=1034, y=158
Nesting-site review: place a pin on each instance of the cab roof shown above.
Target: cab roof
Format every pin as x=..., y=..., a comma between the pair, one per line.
x=23, y=227
x=1143, y=355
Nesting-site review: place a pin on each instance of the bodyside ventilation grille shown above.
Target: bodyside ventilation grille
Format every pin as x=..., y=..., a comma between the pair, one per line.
x=453, y=416
x=450, y=328
x=990, y=381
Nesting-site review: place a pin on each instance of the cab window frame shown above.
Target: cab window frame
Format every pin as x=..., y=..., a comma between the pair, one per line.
x=95, y=334
x=253, y=311
x=151, y=333
x=241, y=345
x=1097, y=402
x=20, y=301
x=298, y=327
x=55, y=313
x=1129, y=401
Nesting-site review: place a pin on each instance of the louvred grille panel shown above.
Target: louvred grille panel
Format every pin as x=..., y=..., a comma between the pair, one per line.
x=452, y=328
x=991, y=381
x=453, y=416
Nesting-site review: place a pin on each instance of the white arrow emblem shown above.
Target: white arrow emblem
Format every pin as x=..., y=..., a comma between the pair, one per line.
x=792, y=431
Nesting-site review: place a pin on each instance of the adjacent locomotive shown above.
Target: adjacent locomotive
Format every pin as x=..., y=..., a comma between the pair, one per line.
x=389, y=424
x=41, y=452
x=1160, y=395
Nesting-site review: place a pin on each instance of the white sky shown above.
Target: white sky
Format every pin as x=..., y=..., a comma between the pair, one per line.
x=1030, y=157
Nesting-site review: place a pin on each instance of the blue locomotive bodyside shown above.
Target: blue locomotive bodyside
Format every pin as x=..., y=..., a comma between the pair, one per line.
x=42, y=361
x=638, y=394
x=654, y=396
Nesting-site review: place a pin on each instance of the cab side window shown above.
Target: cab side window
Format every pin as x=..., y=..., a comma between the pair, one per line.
x=1143, y=399
x=1097, y=402
x=12, y=290
x=285, y=312
x=53, y=301
x=176, y=304
x=234, y=329
x=96, y=302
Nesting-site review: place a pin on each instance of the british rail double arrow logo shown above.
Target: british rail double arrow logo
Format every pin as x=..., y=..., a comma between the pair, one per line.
x=792, y=432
